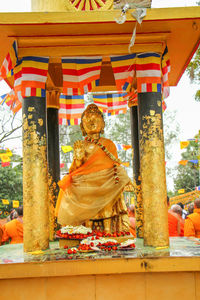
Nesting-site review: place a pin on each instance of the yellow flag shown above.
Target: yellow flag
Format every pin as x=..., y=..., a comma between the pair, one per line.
x=126, y=164
x=4, y=158
x=66, y=149
x=15, y=203
x=8, y=152
x=184, y=144
x=181, y=191
x=5, y=201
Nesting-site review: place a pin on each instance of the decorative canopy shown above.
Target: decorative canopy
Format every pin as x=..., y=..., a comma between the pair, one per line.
x=82, y=74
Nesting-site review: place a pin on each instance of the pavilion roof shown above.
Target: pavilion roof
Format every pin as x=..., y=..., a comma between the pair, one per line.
x=57, y=34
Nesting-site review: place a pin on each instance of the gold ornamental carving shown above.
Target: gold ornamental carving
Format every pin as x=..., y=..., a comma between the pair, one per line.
x=88, y=5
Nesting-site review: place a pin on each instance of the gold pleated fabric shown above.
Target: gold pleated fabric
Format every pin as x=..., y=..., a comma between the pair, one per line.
x=91, y=194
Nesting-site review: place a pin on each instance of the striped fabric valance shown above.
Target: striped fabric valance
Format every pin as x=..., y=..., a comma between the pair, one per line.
x=80, y=74
x=71, y=108
x=112, y=104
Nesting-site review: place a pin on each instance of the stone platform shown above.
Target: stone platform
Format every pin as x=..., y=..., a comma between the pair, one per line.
x=141, y=274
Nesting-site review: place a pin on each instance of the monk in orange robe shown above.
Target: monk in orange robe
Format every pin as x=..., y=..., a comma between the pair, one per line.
x=192, y=223
x=13, y=230
x=178, y=211
x=173, y=222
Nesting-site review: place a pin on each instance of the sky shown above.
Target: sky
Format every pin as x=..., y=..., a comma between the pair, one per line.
x=181, y=97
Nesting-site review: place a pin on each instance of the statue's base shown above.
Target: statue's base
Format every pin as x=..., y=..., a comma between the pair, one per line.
x=69, y=243
x=75, y=242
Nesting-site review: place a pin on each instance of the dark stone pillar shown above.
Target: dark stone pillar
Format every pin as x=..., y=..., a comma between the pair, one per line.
x=53, y=163
x=136, y=171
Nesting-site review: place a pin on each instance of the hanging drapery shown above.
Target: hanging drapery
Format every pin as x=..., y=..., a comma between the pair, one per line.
x=165, y=73
x=124, y=70
x=71, y=108
x=80, y=74
x=148, y=72
x=9, y=62
x=34, y=75
x=112, y=104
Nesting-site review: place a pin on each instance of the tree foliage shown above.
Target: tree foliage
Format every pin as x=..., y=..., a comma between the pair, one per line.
x=10, y=127
x=11, y=183
x=193, y=70
x=188, y=176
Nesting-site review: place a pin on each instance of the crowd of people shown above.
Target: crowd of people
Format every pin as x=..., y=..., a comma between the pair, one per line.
x=12, y=231
x=180, y=222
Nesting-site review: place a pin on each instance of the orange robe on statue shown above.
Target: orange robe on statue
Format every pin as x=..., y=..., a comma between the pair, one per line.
x=192, y=224
x=90, y=191
x=13, y=230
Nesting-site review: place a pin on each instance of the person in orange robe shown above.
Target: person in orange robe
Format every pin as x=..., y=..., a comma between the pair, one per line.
x=173, y=222
x=178, y=211
x=192, y=223
x=13, y=230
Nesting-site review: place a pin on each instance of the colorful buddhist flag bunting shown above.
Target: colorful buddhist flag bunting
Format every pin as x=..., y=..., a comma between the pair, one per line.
x=126, y=147
x=165, y=65
x=2, y=99
x=126, y=164
x=181, y=191
x=34, y=75
x=80, y=74
x=112, y=104
x=5, y=164
x=197, y=188
x=148, y=72
x=4, y=158
x=9, y=62
x=194, y=161
x=183, y=162
x=66, y=149
x=15, y=203
x=123, y=147
x=124, y=70
x=5, y=201
x=71, y=109
x=184, y=144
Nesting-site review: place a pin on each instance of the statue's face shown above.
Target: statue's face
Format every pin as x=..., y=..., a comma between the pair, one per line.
x=92, y=123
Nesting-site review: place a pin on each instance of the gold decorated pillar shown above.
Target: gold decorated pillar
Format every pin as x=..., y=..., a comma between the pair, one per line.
x=136, y=171
x=152, y=168
x=35, y=180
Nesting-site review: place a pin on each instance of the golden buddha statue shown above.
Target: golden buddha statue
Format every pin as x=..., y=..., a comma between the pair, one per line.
x=92, y=192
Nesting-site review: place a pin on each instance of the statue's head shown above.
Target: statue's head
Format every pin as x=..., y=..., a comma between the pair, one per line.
x=92, y=120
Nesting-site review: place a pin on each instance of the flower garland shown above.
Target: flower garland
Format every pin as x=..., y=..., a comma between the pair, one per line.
x=89, y=139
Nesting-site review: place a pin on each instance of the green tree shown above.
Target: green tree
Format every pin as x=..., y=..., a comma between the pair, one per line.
x=11, y=182
x=118, y=130
x=193, y=69
x=188, y=176
x=10, y=125
x=68, y=135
